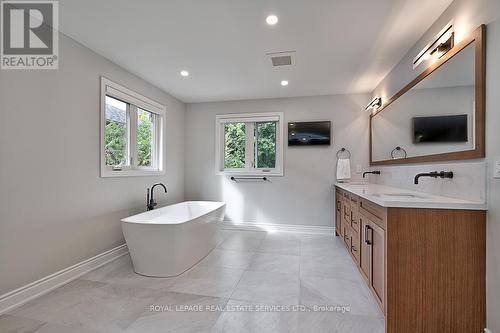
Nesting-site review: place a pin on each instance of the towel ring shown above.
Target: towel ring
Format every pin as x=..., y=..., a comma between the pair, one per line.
x=400, y=150
x=343, y=150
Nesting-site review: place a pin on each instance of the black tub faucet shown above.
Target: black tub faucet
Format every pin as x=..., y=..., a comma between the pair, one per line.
x=371, y=172
x=150, y=201
x=434, y=174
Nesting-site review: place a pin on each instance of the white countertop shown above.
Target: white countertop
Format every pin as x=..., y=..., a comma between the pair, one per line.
x=387, y=196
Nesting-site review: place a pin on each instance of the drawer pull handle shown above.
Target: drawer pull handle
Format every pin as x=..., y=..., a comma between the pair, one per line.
x=367, y=238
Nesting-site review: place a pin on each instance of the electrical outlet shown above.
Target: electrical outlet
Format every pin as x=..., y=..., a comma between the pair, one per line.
x=496, y=168
x=359, y=168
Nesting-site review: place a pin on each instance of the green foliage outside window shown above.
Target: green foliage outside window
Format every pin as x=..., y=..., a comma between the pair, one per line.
x=265, y=134
x=234, y=145
x=115, y=142
x=144, y=137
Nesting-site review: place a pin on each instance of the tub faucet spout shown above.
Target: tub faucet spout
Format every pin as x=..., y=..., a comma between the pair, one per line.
x=150, y=201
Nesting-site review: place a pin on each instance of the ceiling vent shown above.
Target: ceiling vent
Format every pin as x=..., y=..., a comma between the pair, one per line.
x=282, y=58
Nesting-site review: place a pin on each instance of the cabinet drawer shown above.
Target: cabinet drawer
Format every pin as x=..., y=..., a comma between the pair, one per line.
x=375, y=212
x=354, y=199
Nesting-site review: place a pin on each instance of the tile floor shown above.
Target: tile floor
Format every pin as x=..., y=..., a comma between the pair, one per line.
x=247, y=271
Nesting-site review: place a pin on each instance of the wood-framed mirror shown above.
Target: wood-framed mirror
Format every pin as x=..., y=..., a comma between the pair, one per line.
x=440, y=115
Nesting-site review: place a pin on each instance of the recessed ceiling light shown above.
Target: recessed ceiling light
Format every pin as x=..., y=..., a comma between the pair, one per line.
x=184, y=73
x=284, y=83
x=272, y=19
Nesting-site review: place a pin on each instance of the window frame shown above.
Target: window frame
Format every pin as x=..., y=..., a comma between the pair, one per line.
x=135, y=101
x=249, y=119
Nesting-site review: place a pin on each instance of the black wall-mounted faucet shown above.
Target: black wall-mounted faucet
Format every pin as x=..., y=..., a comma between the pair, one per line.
x=371, y=172
x=150, y=201
x=434, y=174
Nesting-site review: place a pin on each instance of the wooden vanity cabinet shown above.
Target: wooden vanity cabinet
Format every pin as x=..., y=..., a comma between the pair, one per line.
x=425, y=267
x=345, y=215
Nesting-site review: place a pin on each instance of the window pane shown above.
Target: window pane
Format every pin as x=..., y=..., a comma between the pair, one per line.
x=234, y=145
x=145, y=137
x=116, y=132
x=265, y=145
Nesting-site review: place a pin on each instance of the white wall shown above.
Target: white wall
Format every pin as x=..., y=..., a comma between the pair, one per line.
x=304, y=196
x=55, y=210
x=467, y=15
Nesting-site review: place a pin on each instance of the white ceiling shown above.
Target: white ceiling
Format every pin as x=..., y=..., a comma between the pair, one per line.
x=343, y=46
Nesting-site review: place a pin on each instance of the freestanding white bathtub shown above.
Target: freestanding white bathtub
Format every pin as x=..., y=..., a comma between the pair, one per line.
x=170, y=240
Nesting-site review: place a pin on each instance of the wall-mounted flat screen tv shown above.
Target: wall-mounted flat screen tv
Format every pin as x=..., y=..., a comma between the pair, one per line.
x=309, y=133
x=440, y=129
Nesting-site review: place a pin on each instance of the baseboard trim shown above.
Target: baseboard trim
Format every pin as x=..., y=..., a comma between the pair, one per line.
x=45, y=285
x=301, y=229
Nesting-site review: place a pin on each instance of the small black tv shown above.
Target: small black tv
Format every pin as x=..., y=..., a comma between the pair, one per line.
x=311, y=133
x=440, y=129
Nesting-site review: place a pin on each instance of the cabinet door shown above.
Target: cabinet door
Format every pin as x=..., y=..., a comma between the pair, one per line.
x=366, y=250
x=338, y=215
x=377, y=240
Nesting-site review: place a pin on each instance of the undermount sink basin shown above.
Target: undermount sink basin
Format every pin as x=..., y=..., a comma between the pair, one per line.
x=399, y=196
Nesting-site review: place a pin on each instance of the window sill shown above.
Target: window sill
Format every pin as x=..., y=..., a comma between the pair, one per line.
x=130, y=173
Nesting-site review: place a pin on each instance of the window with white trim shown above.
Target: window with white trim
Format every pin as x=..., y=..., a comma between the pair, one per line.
x=131, y=132
x=249, y=144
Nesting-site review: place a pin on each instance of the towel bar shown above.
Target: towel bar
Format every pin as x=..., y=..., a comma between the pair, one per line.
x=400, y=150
x=235, y=179
x=342, y=151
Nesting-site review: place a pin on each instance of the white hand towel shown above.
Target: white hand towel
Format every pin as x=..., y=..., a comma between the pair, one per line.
x=343, y=169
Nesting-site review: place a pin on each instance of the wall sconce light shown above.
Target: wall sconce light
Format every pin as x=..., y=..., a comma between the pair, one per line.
x=443, y=42
x=374, y=104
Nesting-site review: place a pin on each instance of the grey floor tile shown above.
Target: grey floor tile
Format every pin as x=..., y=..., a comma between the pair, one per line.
x=208, y=281
x=323, y=249
x=122, y=272
x=331, y=322
x=56, y=328
x=177, y=312
x=13, y=324
x=102, y=273
x=268, y=287
x=228, y=259
x=241, y=318
x=337, y=292
x=280, y=246
x=91, y=305
x=277, y=263
x=317, y=238
x=339, y=267
x=242, y=242
x=255, y=268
